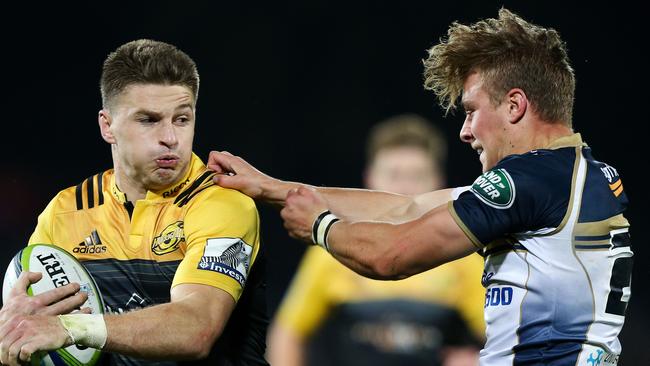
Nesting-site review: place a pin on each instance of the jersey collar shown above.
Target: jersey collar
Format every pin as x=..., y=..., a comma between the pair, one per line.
x=196, y=168
x=566, y=141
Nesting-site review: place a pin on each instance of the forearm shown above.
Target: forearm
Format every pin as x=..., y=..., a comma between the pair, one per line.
x=362, y=204
x=366, y=205
x=365, y=248
x=396, y=251
x=169, y=331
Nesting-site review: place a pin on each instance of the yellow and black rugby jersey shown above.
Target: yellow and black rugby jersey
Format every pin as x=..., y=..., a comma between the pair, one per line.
x=194, y=232
x=322, y=286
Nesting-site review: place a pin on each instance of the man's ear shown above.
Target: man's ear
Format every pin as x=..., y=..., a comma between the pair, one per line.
x=517, y=105
x=105, y=122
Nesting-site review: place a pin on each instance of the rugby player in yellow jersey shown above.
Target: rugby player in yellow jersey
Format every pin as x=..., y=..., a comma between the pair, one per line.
x=170, y=251
x=430, y=319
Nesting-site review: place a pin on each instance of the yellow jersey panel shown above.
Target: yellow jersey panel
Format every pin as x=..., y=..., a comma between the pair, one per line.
x=322, y=283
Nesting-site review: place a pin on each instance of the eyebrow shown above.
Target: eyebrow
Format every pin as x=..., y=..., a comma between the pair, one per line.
x=184, y=106
x=158, y=115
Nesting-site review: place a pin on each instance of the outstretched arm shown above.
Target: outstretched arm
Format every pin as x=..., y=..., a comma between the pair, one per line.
x=185, y=328
x=350, y=204
x=380, y=250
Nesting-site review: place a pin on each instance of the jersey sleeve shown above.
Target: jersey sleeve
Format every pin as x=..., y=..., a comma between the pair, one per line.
x=222, y=240
x=306, y=303
x=524, y=193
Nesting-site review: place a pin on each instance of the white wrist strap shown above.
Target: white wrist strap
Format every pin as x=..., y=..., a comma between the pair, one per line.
x=321, y=228
x=85, y=329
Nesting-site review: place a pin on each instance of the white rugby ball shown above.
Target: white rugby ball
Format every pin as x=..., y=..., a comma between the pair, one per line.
x=58, y=268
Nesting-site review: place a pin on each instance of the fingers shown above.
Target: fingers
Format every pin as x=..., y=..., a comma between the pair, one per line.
x=220, y=162
x=66, y=305
x=227, y=181
x=26, y=352
x=57, y=294
x=24, y=281
x=8, y=341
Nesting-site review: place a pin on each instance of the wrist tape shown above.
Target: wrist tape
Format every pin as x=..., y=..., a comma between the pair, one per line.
x=85, y=329
x=321, y=228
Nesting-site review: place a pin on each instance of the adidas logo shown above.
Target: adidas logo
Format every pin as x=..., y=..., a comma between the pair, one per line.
x=91, y=245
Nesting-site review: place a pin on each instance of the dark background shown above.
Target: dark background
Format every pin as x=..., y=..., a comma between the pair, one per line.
x=294, y=88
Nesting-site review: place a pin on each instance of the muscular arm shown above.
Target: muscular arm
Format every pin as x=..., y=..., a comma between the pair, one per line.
x=396, y=251
x=185, y=328
x=351, y=204
x=365, y=205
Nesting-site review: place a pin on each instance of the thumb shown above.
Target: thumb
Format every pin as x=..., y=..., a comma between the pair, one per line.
x=226, y=181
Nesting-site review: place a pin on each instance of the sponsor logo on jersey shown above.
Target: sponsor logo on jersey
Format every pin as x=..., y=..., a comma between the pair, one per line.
x=485, y=279
x=228, y=256
x=91, y=245
x=169, y=240
x=602, y=358
x=135, y=302
x=498, y=296
x=615, y=183
x=495, y=188
x=175, y=190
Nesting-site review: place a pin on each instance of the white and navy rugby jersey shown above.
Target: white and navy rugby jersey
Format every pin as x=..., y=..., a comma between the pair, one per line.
x=558, y=258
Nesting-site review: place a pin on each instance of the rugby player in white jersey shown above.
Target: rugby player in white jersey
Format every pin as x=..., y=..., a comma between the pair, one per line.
x=546, y=215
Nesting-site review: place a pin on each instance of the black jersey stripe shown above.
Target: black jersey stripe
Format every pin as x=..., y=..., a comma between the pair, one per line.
x=100, y=190
x=78, y=195
x=90, y=192
x=189, y=198
x=193, y=187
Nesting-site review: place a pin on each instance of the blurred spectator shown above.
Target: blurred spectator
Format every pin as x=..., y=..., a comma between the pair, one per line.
x=333, y=316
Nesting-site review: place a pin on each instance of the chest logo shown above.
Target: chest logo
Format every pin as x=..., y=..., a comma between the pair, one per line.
x=169, y=240
x=91, y=245
x=495, y=188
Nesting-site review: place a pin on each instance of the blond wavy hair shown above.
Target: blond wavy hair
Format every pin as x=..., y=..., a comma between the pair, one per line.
x=508, y=53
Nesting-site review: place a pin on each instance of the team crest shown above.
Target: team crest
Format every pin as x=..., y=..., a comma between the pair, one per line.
x=169, y=240
x=495, y=188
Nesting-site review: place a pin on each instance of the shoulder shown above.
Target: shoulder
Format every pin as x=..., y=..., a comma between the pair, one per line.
x=217, y=197
x=86, y=194
x=202, y=191
x=534, y=175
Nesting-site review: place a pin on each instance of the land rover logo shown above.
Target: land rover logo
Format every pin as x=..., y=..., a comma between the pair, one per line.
x=169, y=239
x=495, y=188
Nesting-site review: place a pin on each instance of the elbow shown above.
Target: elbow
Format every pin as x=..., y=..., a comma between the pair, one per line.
x=200, y=346
x=387, y=267
x=389, y=264
x=399, y=261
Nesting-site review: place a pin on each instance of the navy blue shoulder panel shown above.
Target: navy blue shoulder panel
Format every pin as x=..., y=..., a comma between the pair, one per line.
x=603, y=195
x=541, y=182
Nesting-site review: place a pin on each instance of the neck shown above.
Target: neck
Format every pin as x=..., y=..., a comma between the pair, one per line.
x=134, y=190
x=540, y=136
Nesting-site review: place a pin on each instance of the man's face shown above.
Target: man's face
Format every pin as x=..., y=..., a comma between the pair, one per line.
x=152, y=129
x=485, y=126
x=404, y=170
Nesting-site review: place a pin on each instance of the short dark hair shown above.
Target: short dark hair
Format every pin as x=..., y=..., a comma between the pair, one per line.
x=145, y=61
x=508, y=53
x=407, y=130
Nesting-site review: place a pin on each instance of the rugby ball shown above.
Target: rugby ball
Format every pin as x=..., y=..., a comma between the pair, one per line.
x=58, y=268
